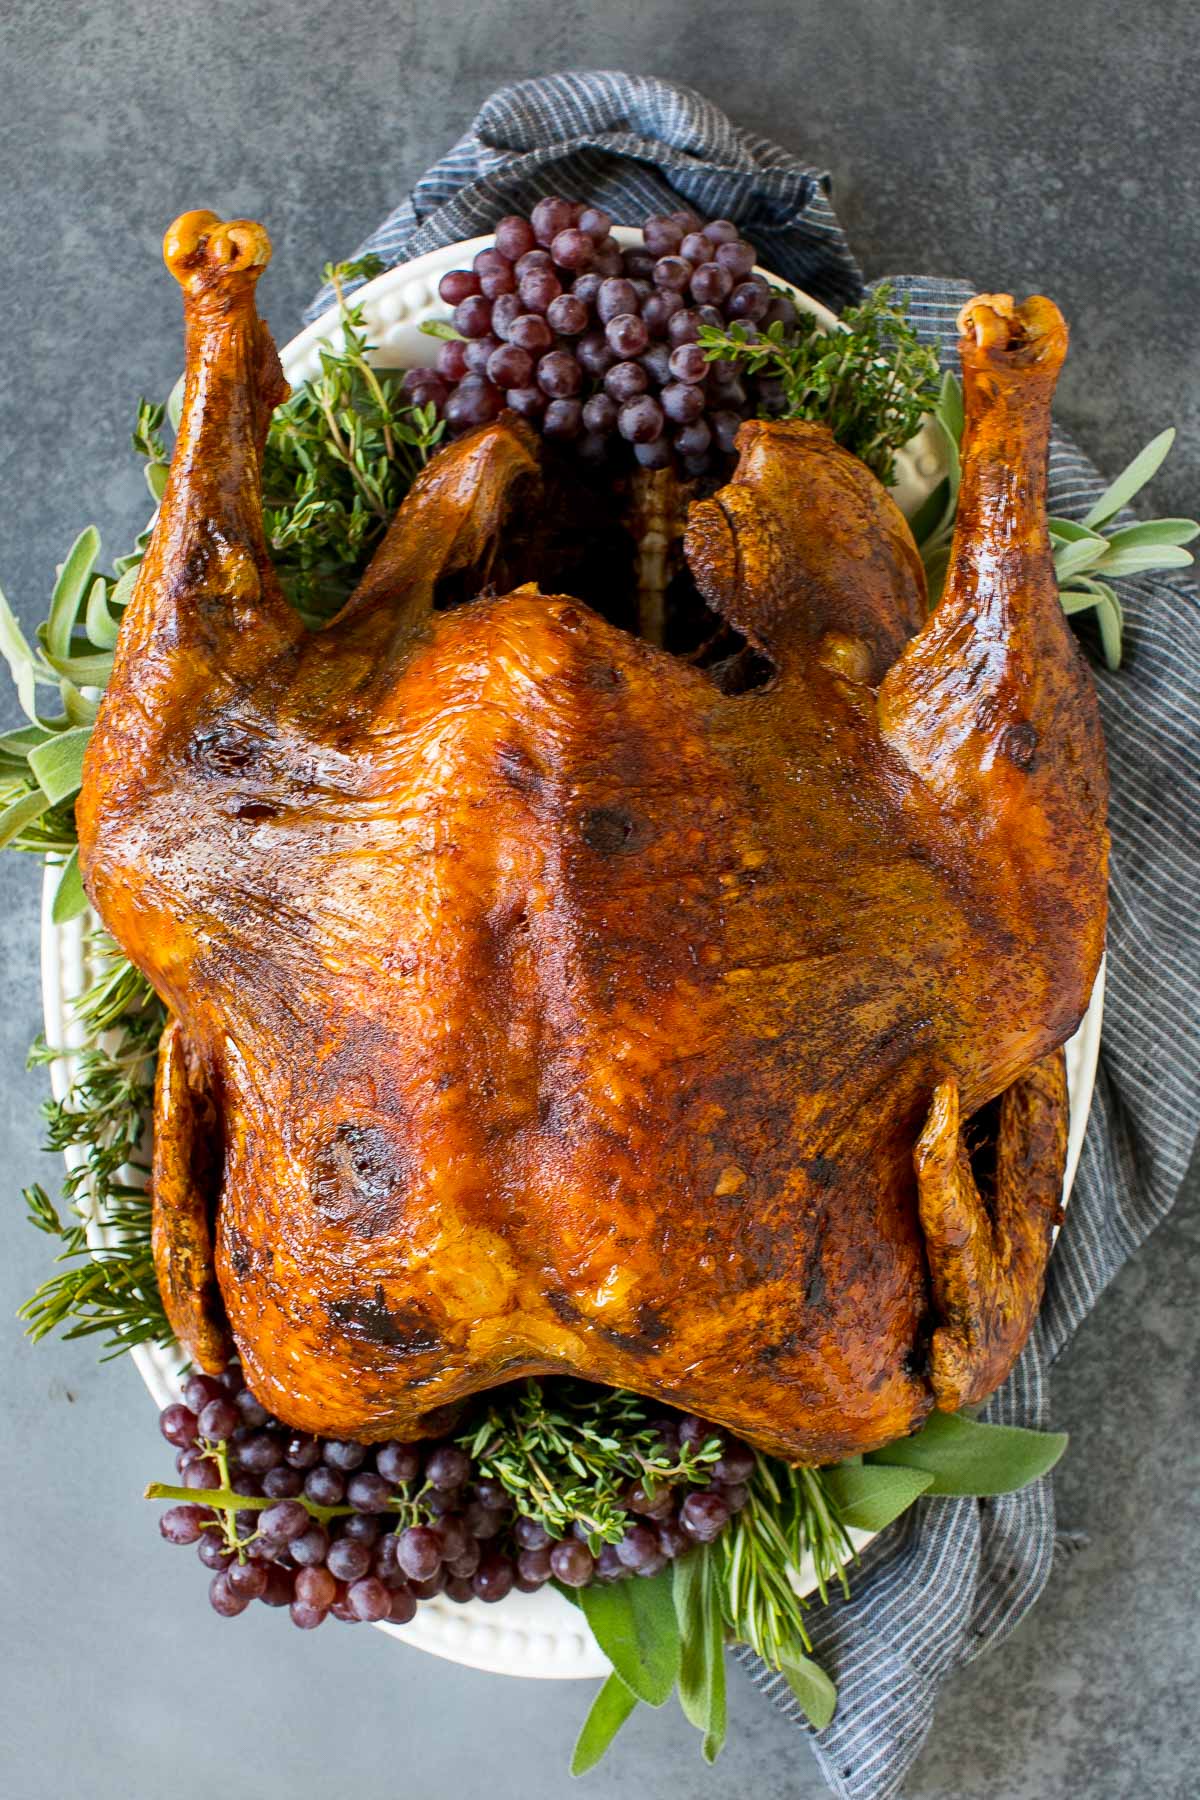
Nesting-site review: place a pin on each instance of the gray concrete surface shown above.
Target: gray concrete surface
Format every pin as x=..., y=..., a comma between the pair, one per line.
x=1022, y=144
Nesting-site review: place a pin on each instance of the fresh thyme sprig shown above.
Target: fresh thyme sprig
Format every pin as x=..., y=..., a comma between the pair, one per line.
x=568, y=1454
x=871, y=382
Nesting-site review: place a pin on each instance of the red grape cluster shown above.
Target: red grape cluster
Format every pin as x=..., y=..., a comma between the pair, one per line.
x=364, y=1532
x=597, y=345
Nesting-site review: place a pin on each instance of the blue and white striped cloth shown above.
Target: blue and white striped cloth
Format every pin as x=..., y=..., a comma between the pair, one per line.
x=952, y=1577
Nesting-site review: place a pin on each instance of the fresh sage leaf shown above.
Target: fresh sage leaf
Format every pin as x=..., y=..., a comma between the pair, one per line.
x=1069, y=532
x=16, y=745
x=1138, y=561
x=19, y=657
x=69, y=591
x=702, y=1648
x=21, y=813
x=812, y=1688
x=69, y=897
x=99, y=623
x=1154, y=531
x=85, y=671
x=1074, y=558
x=1110, y=621
x=441, y=328
x=609, y=1711
x=175, y=403
x=58, y=763
x=635, y=1625
x=156, y=479
x=965, y=1457
x=869, y=1495
x=1120, y=492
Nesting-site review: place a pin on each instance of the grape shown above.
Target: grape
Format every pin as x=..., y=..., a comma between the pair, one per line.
x=657, y=364
x=696, y=248
x=452, y=365
x=498, y=279
x=278, y=1484
x=311, y=1547
x=694, y=441
x=625, y=381
x=429, y=1590
x=185, y=1458
x=473, y=402
x=749, y=300
x=681, y=403
x=782, y=311
x=497, y=283
x=626, y=335
x=694, y=1431
x=285, y=1521
x=529, y=331
x=347, y=1559
x=662, y=233
x=455, y=1538
x=530, y=402
x=202, y=1475
x=198, y=1390
x=369, y=1599
x=325, y=1486
x=383, y=1562
x=615, y=297
x=259, y=1452
x=609, y=259
x=596, y=222
x=638, y=263
x=213, y=1551
x=248, y=1579
x=572, y=1562
x=725, y=389
x=593, y=354
x=494, y=1495
x=654, y=455
x=363, y=1527
x=585, y=289
x=183, y=1524
x=609, y=1566
x=686, y=219
x=640, y=421
x=734, y=1493
x=672, y=272
x=514, y=236
x=493, y=1579
x=639, y=1501
x=568, y=314
x=573, y=249
x=478, y=353
x=711, y=284
x=538, y=289
x=307, y=1618
x=642, y=290
x=673, y=1540
x=659, y=310
x=403, y=1606
x=725, y=427
x=316, y=1587
x=704, y=1516
x=368, y=1492
x=251, y=1411
x=230, y=1379
x=279, y=1590
x=467, y=1560
x=737, y=1462
x=339, y=1610
x=683, y=328
x=533, y=1564
x=638, y=1547
x=559, y=376
x=343, y=1455
x=178, y=1426
x=473, y=316
x=721, y=231
x=688, y=363
x=593, y=446
x=483, y=1521
x=459, y=1588
x=737, y=257
x=534, y=259
x=599, y=414
x=458, y=285
x=561, y=419
x=658, y=1562
x=549, y=217
x=224, y=1600
x=398, y=1462
x=419, y=1551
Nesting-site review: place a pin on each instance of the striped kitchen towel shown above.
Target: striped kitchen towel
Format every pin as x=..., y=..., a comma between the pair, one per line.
x=952, y=1577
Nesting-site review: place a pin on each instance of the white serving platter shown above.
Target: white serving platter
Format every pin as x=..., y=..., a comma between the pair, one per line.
x=534, y=1635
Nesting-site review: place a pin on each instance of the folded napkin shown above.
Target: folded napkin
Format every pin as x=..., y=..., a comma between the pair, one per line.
x=952, y=1577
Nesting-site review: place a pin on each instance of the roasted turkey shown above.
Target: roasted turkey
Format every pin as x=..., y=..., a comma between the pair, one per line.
x=544, y=1002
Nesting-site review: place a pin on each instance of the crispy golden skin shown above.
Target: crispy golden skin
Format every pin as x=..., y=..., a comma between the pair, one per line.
x=564, y=1012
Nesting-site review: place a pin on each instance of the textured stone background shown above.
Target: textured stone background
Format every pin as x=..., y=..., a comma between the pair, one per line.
x=1022, y=145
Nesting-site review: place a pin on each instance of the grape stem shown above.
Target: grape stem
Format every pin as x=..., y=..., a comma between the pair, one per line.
x=226, y=1500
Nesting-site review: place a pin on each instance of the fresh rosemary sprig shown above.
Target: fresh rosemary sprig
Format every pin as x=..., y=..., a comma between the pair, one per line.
x=568, y=1453
x=871, y=382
